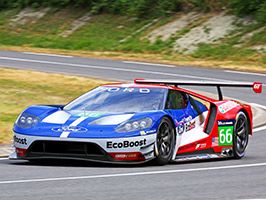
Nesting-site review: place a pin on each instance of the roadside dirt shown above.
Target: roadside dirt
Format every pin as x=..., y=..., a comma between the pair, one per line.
x=166, y=31
x=78, y=23
x=28, y=15
x=212, y=30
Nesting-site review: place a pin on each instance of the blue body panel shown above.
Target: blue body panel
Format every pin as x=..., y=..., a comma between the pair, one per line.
x=87, y=130
x=92, y=131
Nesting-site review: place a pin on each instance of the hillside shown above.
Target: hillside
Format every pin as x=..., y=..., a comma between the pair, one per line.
x=217, y=35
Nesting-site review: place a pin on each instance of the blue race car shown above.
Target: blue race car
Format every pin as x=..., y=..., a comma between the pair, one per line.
x=128, y=123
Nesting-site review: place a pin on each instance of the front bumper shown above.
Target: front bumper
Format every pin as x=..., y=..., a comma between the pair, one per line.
x=119, y=150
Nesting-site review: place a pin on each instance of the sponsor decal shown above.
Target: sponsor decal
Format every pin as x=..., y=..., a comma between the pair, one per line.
x=75, y=129
x=20, y=140
x=125, y=144
x=226, y=122
x=140, y=90
x=148, y=132
x=194, y=157
x=225, y=107
x=89, y=114
x=201, y=146
x=215, y=142
x=257, y=87
x=225, y=132
x=186, y=124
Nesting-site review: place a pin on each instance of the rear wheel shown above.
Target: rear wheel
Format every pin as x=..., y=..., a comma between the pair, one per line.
x=241, y=135
x=165, y=142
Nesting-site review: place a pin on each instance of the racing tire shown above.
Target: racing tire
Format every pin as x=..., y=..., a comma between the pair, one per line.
x=165, y=142
x=241, y=135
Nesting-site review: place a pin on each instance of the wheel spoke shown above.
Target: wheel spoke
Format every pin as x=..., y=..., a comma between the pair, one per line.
x=238, y=140
x=167, y=138
x=242, y=124
x=241, y=133
x=163, y=149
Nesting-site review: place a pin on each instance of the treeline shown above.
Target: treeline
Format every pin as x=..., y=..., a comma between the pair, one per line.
x=147, y=8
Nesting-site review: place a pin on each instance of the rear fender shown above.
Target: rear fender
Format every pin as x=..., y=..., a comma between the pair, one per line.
x=228, y=110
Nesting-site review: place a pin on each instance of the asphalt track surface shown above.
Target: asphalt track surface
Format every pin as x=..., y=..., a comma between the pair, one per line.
x=222, y=179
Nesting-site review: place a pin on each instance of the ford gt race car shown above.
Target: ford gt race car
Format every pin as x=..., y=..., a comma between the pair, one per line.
x=131, y=123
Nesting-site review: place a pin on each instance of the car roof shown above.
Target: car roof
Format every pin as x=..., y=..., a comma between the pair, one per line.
x=134, y=85
x=161, y=86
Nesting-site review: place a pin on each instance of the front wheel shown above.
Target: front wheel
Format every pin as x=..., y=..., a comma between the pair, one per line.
x=165, y=142
x=241, y=135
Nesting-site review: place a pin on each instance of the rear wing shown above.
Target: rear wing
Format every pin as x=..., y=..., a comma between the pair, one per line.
x=256, y=86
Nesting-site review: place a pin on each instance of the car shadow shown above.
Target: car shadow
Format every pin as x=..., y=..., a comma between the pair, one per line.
x=86, y=164
x=77, y=163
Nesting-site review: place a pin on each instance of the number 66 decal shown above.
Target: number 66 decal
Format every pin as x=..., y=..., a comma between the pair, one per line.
x=226, y=135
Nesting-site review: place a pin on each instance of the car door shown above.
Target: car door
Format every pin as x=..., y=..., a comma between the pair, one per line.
x=195, y=117
x=176, y=105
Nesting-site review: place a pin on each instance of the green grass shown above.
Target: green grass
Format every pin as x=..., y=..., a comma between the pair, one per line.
x=223, y=52
x=20, y=89
x=104, y=33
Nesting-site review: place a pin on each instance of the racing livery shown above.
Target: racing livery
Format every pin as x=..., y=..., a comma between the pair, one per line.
x=130, y=123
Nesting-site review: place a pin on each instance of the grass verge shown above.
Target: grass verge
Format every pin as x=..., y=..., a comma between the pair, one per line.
x=20, y=89
x=123, y=37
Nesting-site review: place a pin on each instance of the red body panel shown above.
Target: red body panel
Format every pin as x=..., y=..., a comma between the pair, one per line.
x=230, y=112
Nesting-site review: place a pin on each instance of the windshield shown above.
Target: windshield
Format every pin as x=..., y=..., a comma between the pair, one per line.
x=120, y=99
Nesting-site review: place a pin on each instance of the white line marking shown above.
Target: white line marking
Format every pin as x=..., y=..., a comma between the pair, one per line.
x=48, y=54
x=248, y=73
x=3, y=158
x=133, y=174
x=111, y=68
x=65, y=134
x=258, y=105
x=145, y=63
x=262, y=107
x=259, y=129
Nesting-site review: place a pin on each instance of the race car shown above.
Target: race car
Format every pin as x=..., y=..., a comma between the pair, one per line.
x=148, y=120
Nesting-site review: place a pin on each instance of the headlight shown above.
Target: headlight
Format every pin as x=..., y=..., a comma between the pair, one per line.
x=134, y=125
x=27, y=120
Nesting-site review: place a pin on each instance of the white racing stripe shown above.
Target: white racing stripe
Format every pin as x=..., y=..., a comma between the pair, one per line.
x=134, y=174
x=59, y=117
x=48, y=54
x=109, y=68
x=65, y=134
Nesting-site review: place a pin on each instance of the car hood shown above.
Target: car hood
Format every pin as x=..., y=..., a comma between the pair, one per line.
x=53, y=121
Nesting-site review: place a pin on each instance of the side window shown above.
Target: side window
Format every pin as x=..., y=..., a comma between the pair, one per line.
x=176, y=100
x=198, y=105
